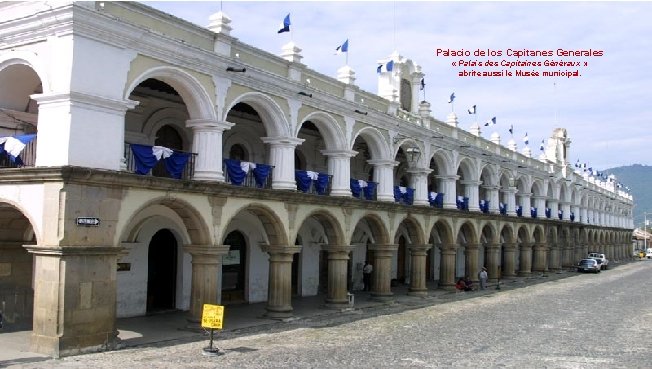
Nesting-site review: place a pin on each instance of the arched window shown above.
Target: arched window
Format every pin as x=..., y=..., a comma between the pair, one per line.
x=238, y=152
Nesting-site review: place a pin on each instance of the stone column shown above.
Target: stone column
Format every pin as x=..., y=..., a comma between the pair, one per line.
x=565, y=208
x=338, y=257
x=471, y=261
x=525, y=203
x=448, y=253
x=540, y=257
x=510, y=194
x=74, y=299
x=419, y=181
x=279, y=294
x=509, y=269
x=207, y=144
x=471, y=191
x=568, y=255
x=418, y=272
x=526, y=259
x=540, y=205
x=384, y=176
x=281, y=156
x=448, y=188
x=494, y=269
x=339, y=166
x=553, y=205
x=382, y=274
x=493, y=197
x=555, y=260
x=206, y=285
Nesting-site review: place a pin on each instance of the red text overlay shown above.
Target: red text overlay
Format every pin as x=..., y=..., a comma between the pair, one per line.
x=519, y=62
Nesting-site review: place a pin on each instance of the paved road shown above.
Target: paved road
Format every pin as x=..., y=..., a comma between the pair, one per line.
x=583, y=321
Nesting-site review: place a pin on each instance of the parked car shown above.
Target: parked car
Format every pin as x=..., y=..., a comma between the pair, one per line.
x=600, y=258
x=588, y=265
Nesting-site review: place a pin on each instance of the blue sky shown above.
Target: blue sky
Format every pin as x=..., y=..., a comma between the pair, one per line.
x=606, y=110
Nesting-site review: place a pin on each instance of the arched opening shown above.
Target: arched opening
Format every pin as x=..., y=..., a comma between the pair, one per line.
x=161, y=272
x=16, y=269
x=158, y=120
x=18, y=111
x=234, y=266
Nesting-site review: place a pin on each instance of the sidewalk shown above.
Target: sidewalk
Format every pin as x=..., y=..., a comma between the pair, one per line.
x=172, y=327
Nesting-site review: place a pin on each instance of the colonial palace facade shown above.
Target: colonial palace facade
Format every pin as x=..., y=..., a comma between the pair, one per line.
x=150, y=164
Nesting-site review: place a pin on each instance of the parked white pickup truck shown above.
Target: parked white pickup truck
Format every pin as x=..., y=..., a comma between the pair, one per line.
x=600, y=258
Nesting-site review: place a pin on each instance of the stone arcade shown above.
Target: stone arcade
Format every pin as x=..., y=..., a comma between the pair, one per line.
x=271, y=180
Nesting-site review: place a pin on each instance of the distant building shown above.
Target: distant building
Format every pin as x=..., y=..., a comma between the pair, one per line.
x=151, y=164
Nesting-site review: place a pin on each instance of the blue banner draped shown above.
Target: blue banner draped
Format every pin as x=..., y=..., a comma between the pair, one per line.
x=235, y=172
x=533, y=212
x=548, y=213
x=561, y=214
x=502, y=208
x=370, y=191
x=519, y=211
x=572, y=216
x=143, y=158
x=397, y=194
x=176, y=163
x=15, y=150
x=321, y=184
x=355, y=187
x=261, y=172
x=303, y=180
x=408, y=196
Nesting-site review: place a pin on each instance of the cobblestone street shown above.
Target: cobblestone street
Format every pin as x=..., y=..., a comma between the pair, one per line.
x=581, y=321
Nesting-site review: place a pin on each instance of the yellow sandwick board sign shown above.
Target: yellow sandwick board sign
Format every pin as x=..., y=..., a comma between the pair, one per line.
x=212, y=316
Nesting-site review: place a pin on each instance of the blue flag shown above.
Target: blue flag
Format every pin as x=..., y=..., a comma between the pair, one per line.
x=450, y=99
x=511, y=129
x=526, y=139
x=541, y=146
x=472, y=110
x=492, y=121
x=343, y=48
x=285, y=26
x=385, y=67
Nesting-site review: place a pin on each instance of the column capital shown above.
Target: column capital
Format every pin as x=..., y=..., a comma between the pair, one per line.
x=338, y=248
x=206, y=250
x=102, y=102
x=383, y=247
x=419, y=248
x=510, y=245
x=383, y=162
x=471, y=182
x=508, y=189
x=208, y=124
x=280, y=249
x=528, y=195
x=339, y=153
x=490, y=187
x=471, y=246
x=283, y=141
x=58, y=250
x=419, y=171
x=539, y=197
x=448, y=177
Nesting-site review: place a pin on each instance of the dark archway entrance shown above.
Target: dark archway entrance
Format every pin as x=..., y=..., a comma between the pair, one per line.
x=400, y=267
x=234, y=269
x=162, y=272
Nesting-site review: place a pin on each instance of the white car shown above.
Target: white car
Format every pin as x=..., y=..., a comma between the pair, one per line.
x=648, y=253
x=600, y=258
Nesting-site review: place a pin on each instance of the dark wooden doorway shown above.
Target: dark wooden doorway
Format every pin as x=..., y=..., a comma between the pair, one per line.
x=162, y=272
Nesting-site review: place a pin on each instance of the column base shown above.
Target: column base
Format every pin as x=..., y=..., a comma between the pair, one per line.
x=383, y=297
x=418, y=293
x=278, y=315
x=336, y=192
x=524, y=274
x=284, y=185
